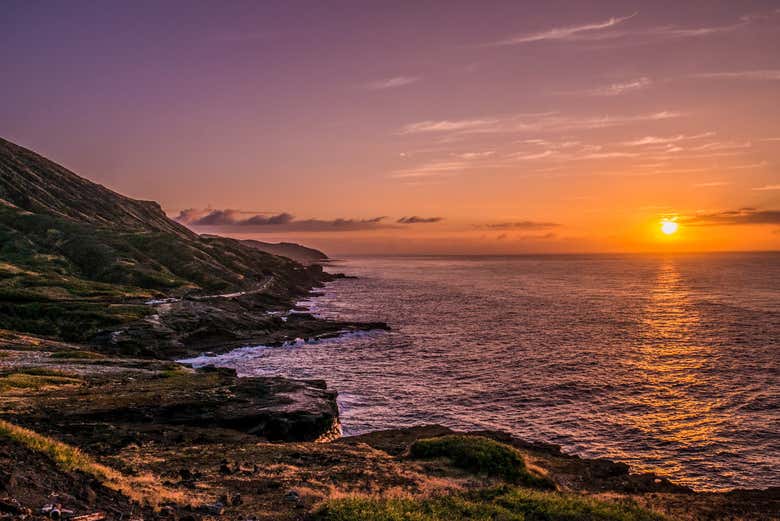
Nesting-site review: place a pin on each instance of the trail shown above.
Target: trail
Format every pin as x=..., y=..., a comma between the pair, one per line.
x=260, y=289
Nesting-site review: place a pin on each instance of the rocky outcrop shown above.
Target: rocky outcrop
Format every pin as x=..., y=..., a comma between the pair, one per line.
x=112, y=410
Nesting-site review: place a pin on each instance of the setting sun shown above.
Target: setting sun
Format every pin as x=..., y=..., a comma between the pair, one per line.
x=669, y=227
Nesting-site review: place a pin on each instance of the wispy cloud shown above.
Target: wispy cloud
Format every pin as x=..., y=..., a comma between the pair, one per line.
x=523, y=156
x=743, y=216
x=563, y=33
x=712, y=184
x=520, y=225
x=530, y=122
x=663, y=140
x=767, y=188
x=476, y=155
x=419, y=220
x=616, y=89
x=281, y=222
x=763, y=74
x=448, y=125
x=671, y=32
x=392, y=83
x=431, y=169
x=614, y=29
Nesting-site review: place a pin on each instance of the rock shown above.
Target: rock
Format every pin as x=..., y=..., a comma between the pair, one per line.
x=214, y=509
x=10, y=506
x=292, y=496
x=604, y=468
x=274, y=408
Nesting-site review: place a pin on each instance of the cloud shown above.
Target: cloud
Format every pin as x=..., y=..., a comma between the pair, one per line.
x=655, y=140
x=743, y=216
x=392, y=83
x=763, y=74
x=614, y=29
x=476, y=155
x=522, y=156
x=520, y=225
x=563, y=33
x=447, y=126
x=616, y=89
x=281, y=222
x=262, y=220
x=712, y=184
x=419, y=220
x=546, y=121
x=670, y=32
x=767, y=188
x=432, y=169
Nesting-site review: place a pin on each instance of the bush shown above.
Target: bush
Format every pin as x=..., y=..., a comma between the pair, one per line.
x=505, y=503
x=479, y=455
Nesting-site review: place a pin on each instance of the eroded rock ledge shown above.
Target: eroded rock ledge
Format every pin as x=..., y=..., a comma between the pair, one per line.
x=112, y=403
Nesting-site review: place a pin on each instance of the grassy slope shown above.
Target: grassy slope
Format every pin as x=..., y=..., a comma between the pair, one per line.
x=504, y=503
x=76, y=257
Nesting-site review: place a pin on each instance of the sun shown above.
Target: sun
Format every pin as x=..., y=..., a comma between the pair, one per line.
x=669, y=227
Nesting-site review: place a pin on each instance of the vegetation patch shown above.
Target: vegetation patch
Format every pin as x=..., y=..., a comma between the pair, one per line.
x=480, y=455
x=76, y=355
x=505, y=503
x=33, y=381
x=143, y=489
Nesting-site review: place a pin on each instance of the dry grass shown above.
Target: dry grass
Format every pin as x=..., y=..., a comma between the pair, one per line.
x=144, y=489
x=27, y=381
x=76, y=355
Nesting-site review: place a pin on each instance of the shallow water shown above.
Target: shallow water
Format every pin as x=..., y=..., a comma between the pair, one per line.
x=668, y=363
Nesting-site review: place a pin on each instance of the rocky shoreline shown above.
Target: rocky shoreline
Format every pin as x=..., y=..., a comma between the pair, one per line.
x=210, y=445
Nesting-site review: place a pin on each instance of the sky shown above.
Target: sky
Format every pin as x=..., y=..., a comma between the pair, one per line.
x=415, y=127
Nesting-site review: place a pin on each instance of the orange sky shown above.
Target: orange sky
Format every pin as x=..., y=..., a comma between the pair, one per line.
x=527, y=127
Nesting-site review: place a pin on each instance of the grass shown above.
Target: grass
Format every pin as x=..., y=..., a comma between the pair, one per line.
x=143, y=489
x=34, y=381
x=76, y=355
x=504, y=503
x=480, y=455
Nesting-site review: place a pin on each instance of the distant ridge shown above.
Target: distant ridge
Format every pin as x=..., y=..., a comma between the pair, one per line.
x=296, y=252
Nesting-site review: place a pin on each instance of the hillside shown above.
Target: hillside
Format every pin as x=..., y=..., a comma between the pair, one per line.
x=293, y=251
x=77, y=259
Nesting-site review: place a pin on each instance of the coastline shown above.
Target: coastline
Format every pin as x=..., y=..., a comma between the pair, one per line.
x=182, y=427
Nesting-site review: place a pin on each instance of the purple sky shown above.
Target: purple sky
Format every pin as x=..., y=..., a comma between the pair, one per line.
x=518, y=126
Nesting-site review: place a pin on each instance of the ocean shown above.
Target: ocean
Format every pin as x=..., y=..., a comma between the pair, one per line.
x=669, y=363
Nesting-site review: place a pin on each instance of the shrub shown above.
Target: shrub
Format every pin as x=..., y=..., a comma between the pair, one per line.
x=505, y=503
x=479, y=455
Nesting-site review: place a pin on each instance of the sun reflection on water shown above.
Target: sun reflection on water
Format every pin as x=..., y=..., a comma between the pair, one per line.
x=671, y=407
